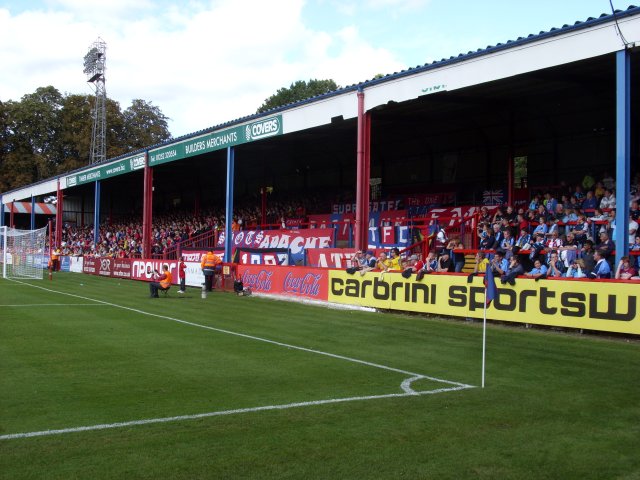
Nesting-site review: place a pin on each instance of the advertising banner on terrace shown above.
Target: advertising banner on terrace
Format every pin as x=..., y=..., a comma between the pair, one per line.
x=330, y=257
x=591, y=305
x=209, y=142
x=113, y=169
x=296, y=282
x=294, y=240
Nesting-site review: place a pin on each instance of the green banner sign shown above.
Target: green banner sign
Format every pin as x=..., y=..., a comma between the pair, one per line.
x=103, y=172
x=210, y=142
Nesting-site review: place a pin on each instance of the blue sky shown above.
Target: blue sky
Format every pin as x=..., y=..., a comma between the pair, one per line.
x=205, y=62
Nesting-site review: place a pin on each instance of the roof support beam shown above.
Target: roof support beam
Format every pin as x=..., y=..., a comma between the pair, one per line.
x=623, y=149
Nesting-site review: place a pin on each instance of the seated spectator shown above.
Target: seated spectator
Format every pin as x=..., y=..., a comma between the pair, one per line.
x=599, y=191
x=515, y=269
x=542, y=227
x=430, y=265
x=396, y=261
x=356, y=262
x=481, y=263
x=553, y=242
x=556, y=267
x=507, y=244
x=523, y=241
x=635, y=247
x=537, y=247
x=589, y=203
x=487, y=240
x=601, y=269
x=538, y=271
x=445, y=263
x=414, y=265
x=609, y=199
x=458, y=257
x=587, y=254
x=625, y=271
x=370, y=262
x=576, y=269
x=581, y=229
x=569, y=250
x=499, y=264
x=606, y=245
x=535, y=202
x=383, y=263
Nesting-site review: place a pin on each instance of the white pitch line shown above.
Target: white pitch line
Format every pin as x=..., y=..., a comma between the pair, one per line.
x=260, y=339
x=287, y=406
x=57, y=305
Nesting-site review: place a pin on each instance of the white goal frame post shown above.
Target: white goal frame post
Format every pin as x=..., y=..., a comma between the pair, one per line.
x=23, y=253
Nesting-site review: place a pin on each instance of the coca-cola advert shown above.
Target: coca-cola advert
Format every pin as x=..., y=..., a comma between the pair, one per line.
x=299, y=282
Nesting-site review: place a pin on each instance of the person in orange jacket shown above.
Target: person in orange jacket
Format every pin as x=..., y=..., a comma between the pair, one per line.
x=209, y=263
x=162, y=282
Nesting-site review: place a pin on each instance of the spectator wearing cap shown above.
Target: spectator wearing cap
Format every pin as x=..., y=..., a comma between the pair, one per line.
x=445, y=263
x=414, y=265
x=370, y=262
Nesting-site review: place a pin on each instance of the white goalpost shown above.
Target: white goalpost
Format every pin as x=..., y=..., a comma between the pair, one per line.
x=22, y=253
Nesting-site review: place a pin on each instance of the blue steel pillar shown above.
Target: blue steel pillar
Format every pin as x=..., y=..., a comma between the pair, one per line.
x=96, y=215
x=623, y=149
x=229, y=210
x=33, y=212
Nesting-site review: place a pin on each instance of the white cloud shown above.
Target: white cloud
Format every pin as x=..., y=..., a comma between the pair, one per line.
x=203, y=64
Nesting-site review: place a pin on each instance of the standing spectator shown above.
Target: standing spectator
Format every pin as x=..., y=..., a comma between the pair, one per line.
x=396, y=261
x=182, y=268
x=209, y=263
x=458, y=257
x=606, y=245
x=633, y=228
x=587, y=255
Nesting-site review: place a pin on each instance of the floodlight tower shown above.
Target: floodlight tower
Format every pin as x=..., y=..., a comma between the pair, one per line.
x=94, y=67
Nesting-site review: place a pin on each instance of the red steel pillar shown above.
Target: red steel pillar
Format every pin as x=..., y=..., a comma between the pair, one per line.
x=11, y=223
x=59, y=215
x=147, y=209
x=363, y=174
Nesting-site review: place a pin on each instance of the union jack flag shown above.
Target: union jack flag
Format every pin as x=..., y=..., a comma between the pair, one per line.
x=493, y=197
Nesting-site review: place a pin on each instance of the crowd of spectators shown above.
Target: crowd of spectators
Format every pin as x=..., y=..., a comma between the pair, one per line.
x=569, y=236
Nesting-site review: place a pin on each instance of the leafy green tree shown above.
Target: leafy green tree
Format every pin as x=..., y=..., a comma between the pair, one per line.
x=47, y=133
x=144, y=125
x=299, y=90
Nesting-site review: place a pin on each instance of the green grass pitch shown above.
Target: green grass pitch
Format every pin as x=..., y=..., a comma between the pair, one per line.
x=99, y=381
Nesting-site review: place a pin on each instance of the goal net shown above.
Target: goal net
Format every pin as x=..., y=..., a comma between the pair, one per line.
x=22, y=252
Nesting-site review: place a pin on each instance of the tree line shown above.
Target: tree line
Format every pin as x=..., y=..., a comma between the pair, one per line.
x=47, y=133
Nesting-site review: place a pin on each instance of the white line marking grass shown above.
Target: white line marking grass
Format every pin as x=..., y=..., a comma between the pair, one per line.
x=30, y=305
x=405, y=386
